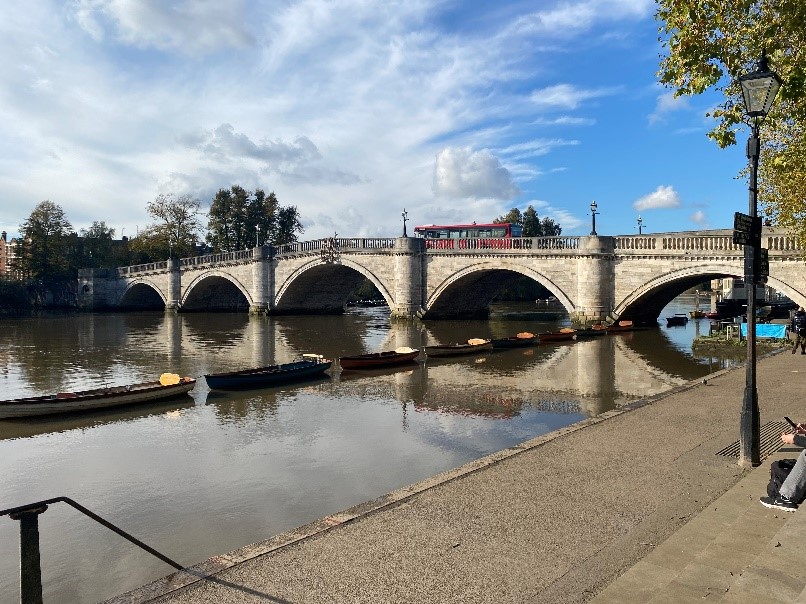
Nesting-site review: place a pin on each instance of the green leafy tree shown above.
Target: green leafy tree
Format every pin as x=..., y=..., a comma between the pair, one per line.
x=288, y=225
x=43, y=249
x=531, y=223
x=96, y=248
x=149, y=245
x=708, y=45
x=239, y=219
x=177, y=224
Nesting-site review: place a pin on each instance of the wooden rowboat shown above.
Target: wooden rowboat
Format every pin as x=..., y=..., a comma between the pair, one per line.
x=677, y=319
x=472, y=346
x=621, y=327
x=520, y=340
x=379, y=359
x=311, y=366
x=170, y=385
x=563, y=335
x=591, y=332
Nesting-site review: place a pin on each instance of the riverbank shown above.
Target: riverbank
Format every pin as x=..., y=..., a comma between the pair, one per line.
x=555, y=519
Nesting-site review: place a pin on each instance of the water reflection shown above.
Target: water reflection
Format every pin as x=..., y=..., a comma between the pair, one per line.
x=205, y=475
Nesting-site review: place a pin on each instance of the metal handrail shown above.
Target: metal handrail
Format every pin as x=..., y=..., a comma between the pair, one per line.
x=30, y=570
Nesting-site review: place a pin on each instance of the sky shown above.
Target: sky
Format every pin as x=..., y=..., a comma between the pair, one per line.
x=354, y=111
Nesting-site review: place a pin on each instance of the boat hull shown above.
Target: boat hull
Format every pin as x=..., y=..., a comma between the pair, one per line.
x=90, y=400
x=583, y=334
x=270, y=375
x=557, y=336
x=676, y=320
x=513, y=342
x=452, y=350
x=378, y=359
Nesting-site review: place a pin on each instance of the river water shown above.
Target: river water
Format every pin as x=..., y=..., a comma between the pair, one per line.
x=208, y=473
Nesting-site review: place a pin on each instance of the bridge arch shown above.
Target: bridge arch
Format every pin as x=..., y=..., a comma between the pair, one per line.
x=469, y=291
x=142, y=294
x=645, y=303
x=215, y=290
x=323, y=287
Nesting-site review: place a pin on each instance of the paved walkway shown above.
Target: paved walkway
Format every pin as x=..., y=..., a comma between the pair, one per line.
x=630, y=506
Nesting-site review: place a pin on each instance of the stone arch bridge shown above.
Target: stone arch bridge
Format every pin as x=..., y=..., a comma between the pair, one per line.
x=596, y=277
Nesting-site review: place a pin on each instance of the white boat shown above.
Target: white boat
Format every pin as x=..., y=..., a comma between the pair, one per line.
x=170, y=385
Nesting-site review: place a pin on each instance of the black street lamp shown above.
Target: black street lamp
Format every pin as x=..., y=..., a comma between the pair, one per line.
x=640, y=223
x=405, y=216
x=759, y=89
x=593, y=217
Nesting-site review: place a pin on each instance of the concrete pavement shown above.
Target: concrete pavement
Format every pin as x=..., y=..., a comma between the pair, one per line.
x=634, y=505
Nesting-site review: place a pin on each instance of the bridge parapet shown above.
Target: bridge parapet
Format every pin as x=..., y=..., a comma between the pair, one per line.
x=778, y=245
x=357, y=244
x=554, y=244
x=225, y=258
x=149, y=267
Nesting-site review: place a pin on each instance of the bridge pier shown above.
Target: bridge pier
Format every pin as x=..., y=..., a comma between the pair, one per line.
x=173, y=302
x=262, y=279
x=409, y=257
x=595, y=279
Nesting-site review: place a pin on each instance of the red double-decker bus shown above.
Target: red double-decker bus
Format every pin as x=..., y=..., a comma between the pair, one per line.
x=469, y=236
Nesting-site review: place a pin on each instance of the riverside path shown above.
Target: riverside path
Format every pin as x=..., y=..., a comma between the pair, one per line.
x=642, y=489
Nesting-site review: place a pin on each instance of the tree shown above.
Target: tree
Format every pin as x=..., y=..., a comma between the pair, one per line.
x=288, y=225
x=532, y=225
x=240, y=219
x=709, y=44
x=178, y=225
x=42, y=250
x=96, y=246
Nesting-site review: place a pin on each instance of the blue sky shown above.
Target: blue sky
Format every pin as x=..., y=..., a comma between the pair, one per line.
x=353, y=110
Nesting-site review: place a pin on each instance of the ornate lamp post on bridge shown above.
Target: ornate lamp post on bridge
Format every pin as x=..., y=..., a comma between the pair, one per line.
x=640, y=224
x=593, y=217
x=405, y=216
x=759, y=89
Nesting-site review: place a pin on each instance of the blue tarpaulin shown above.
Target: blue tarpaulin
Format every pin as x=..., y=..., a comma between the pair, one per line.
x=767, y=330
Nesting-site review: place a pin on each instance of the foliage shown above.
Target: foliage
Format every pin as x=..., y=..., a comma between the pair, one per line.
x=177, y=226
x=532, y=225
x=13, y=297
x=288, y=225
x=240, y=219
x=43, y=249
x=95, y=248
x=709, y=44
x=150, y=244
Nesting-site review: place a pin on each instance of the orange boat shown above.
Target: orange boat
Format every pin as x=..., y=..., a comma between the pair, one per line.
x=563, y=335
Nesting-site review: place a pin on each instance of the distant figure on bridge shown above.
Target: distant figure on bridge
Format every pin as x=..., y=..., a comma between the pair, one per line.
x=798, y=327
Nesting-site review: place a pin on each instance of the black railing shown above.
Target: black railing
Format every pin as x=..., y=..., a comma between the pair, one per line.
x=30, y=569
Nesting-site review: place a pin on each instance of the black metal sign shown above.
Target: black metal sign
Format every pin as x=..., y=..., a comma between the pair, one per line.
x=746, y=229
x=763, y=268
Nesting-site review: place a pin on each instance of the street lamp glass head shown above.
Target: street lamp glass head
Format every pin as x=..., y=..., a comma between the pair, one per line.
x=593, y=206
x=759, y=89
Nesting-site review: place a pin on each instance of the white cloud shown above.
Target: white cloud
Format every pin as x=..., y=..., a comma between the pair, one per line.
x=563, y=217
x=534, y=148
x=662, y=197
x=564, y=120
x=666, y=104
x=462, y=173
x=699, y=218
x=188, y=26
x=566, y=96
x=571, y=18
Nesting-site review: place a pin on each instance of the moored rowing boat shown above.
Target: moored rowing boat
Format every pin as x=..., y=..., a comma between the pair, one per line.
x=379, y=359
x=170, y=385
x=311, y=365
x=472, y=346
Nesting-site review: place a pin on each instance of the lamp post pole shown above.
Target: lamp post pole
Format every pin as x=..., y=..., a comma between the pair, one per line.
x=759, y=89
x=593, y=218
x=640, y=224
x=750, y=425
x=405, y=216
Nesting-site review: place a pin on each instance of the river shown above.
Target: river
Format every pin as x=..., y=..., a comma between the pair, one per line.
x=208, y=473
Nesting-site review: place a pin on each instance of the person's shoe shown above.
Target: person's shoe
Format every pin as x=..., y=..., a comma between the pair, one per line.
x=779, y=502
